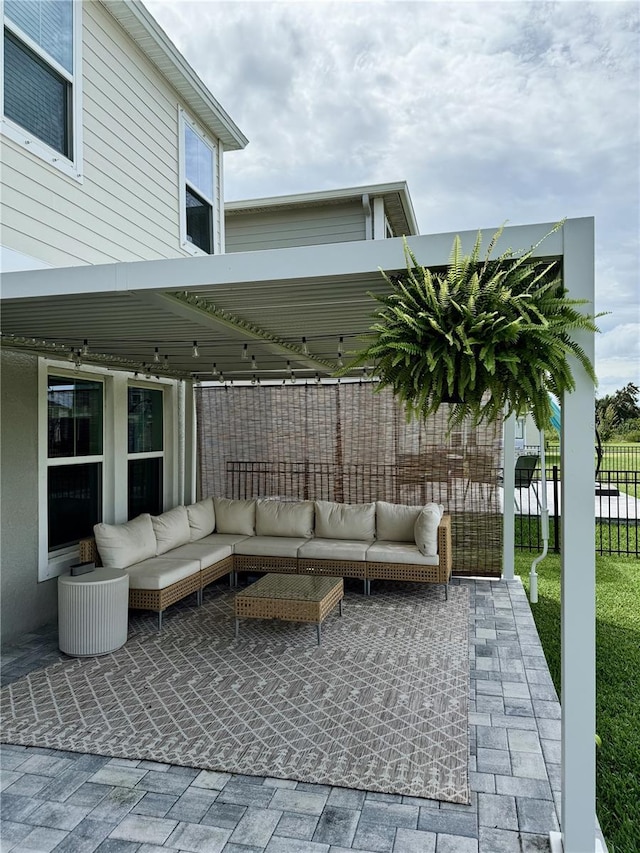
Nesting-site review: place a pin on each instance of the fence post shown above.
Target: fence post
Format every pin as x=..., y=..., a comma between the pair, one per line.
x=556, y=512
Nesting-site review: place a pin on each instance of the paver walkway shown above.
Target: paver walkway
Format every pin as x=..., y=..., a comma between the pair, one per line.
x=74, y=803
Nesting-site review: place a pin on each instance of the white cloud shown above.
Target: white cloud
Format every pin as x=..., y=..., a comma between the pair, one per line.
x=492, y=111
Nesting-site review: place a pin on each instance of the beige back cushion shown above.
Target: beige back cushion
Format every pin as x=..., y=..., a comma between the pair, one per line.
x=345, y=521
x=426, y=529
x=235, y=516
x=284, y=518
x=202, y=518
x=396, y=522
x=122, y=545
x=171, y=529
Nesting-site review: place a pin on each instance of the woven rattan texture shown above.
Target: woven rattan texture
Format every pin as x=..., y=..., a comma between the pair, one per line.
x=290, y=598
x=381, y=705
x=160, y=599
x=333, y=568
x=346, y=443
x=245, y=563
x=216, y=571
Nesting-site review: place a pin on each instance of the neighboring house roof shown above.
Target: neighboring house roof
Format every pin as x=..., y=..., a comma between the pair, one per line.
x=398, y=204
x=151, y=39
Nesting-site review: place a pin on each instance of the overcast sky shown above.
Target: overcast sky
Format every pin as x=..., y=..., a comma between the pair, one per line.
x=491, y=111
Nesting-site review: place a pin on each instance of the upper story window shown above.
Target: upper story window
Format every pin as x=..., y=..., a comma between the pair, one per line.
x=42, y=82
x=197, y=162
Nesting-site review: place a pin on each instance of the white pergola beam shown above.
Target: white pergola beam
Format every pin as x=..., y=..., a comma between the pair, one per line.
x=300, y=263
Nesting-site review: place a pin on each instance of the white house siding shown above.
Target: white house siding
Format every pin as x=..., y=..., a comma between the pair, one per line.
x=26, y=604
x=277, y=229
x=127, y=207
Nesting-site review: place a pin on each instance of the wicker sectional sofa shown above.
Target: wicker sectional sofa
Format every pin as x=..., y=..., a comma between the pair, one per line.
x=181, y=551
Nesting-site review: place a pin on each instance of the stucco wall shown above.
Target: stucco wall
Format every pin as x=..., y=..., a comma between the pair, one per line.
x=26, y=604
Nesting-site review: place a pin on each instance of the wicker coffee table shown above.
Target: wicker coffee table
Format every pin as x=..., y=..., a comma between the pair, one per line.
x=292, y=598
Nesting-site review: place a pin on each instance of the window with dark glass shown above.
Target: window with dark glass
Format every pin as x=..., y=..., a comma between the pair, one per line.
x=199, y=191
x=74, y=482
x=75, y=418
x=74, y=498
x=38, y=69
x=145, y=436
x=198, y=221
x=145, y=486
x=145, y=420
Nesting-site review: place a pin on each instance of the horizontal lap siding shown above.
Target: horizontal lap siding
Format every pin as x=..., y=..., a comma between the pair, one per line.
x=127, y=208
x=277, y=229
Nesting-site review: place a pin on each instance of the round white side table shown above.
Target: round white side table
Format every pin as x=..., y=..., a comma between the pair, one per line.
x=93, y=612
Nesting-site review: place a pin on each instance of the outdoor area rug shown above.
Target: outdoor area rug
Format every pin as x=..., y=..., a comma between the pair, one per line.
x=381, y=705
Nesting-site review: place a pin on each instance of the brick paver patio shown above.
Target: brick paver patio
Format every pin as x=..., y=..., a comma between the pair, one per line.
x=74, y=803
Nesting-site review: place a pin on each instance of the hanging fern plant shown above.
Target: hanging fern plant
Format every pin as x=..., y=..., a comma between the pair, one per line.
x=488, y=336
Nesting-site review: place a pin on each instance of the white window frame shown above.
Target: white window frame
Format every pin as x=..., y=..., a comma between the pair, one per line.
x=115, y=455
x=54, y=562
x=73, y=168
x=185, y=121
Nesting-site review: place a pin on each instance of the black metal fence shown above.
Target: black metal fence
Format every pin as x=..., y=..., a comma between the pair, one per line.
x=616, y=505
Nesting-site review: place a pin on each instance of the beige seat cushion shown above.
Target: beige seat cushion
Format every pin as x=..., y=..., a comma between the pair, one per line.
x=208, y=554
x=122, y=545
x=333, y=549
x=171, y=529
x=396, y=522
x=202, y=518
x=345, y=521
x=426, y=529
x=270, y=546
x=160, y=572
x=219, y=539
x=235, y=516
x=284, y=518
x=399, y=552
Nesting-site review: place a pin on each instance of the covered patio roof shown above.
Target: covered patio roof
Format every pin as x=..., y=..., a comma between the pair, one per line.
x=269, y=300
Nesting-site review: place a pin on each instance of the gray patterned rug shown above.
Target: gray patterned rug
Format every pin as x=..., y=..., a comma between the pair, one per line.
x=381, y=705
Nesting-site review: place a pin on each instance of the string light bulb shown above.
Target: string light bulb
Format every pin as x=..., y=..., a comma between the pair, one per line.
x=254, y=380
x=156, y=356
x=305, y=348
x=245, y=352
x=195, y=352
x=214, y=370
x=340, y=347
x=85, y=347
x=254, y=363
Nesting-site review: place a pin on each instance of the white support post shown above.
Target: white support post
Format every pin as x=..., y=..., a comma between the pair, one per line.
x=578, y=564
x=508, y=498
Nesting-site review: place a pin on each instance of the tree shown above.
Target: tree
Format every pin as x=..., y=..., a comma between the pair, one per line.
x=613, y=411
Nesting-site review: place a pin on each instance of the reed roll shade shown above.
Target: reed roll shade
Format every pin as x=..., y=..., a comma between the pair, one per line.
x=343, y=442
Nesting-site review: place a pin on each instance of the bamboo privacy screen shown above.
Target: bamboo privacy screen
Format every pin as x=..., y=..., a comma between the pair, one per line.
x=343, y=442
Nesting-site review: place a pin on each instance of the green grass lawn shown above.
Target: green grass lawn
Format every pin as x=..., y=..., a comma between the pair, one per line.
x=618, y=683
